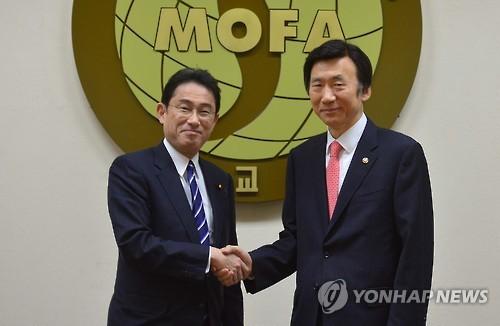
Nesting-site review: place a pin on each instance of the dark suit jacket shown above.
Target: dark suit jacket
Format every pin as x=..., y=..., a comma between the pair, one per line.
x=161, y=276
x=380, y=236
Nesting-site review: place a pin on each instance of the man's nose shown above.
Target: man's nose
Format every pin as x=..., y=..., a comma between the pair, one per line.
x=328, y=95
x=194, y=119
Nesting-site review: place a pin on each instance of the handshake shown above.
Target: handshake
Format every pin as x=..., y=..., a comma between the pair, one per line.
x=230, y=264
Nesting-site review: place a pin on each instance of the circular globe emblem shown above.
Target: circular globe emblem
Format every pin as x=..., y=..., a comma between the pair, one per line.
x=126, y=50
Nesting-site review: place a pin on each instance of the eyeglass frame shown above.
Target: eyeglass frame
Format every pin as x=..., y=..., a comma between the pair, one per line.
x=186, y=111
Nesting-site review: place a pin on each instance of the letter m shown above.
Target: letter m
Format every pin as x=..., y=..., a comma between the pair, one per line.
x=170, y=23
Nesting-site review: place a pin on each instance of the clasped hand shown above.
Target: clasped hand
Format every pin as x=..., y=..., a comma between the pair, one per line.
x=230, y=264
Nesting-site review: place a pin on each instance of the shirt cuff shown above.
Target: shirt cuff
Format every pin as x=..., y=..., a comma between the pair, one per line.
x=207, y=270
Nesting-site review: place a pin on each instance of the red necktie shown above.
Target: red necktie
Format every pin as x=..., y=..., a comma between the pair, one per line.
x=332, y=176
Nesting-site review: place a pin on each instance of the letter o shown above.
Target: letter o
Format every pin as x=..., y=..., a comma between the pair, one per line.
x=225, y=34
x=371, y=296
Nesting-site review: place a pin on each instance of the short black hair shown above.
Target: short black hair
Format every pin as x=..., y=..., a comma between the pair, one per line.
x=334, y=49
x=186, y=75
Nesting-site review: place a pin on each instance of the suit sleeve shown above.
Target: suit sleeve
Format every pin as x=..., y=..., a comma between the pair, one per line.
x=130, y=211
x=414, y=222
x=233, y=298
x=274, y=262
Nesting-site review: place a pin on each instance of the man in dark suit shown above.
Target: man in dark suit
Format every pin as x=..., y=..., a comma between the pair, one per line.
x=357, y=213
x=170, y=212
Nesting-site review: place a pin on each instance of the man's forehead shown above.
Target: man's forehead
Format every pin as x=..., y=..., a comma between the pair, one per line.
x=327, y=75
x=336, y=69
x=196, y=101
x=191, y=92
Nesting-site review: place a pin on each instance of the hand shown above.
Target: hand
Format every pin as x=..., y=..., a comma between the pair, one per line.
x=243, y=255
x=229, y=269
x=224, y=275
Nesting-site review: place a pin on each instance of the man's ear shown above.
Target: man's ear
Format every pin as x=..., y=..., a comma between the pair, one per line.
x=161, y=109
x=366, y=94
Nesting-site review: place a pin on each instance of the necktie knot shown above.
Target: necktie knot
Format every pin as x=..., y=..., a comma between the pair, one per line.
x=190, y=172
x=190, y=167
x=335, y=149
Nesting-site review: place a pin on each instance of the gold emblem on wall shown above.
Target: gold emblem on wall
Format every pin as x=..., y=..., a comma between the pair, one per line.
x=247, y=179
x=125, y=50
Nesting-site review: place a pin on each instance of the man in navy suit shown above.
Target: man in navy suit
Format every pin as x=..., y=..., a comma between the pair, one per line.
x=358, y=218
x=170, y=212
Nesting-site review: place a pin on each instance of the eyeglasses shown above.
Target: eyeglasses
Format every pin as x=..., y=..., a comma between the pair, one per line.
x=186, y=111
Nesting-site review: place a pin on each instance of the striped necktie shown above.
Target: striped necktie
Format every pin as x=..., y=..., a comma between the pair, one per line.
x=197, y=207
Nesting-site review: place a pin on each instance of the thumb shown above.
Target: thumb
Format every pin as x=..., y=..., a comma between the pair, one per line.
x=229, y=249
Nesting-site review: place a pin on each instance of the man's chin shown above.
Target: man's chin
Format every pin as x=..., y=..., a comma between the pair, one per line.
x=332, y=123
x=192, y=145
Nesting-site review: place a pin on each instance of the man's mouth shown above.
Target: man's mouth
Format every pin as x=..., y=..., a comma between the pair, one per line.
x=191, y=131
x=329, y=110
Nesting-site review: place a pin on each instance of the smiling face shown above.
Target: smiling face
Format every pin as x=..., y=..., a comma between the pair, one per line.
x=336, y=94
x=189, y=117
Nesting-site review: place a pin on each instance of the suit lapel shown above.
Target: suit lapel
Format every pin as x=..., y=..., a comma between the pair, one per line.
x=362, y=161
x=318, y=172
x=169, y=178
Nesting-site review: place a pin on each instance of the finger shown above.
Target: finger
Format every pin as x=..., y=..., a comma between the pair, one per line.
x=223, y=272
x=235, y=279
x=227, y=250
x=242, y=254
x=235, y=263
x=239, y=274
x=227, y=280
x=246, y=271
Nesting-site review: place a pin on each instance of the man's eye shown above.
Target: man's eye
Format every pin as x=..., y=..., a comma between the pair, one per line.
x=184, y=109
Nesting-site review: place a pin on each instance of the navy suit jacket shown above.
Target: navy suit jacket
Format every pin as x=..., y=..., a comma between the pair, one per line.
x=161, y=277
x=380, y=235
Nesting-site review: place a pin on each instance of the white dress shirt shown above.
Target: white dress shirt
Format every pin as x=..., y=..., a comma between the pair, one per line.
x=349, y=141
x=181, y=163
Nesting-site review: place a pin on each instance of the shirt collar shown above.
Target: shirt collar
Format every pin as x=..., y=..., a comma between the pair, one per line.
x=181, y=161
x=348, y=140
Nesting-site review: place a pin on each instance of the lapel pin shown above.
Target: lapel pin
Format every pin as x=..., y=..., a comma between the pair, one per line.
x=365, y=160
x=219, y=186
